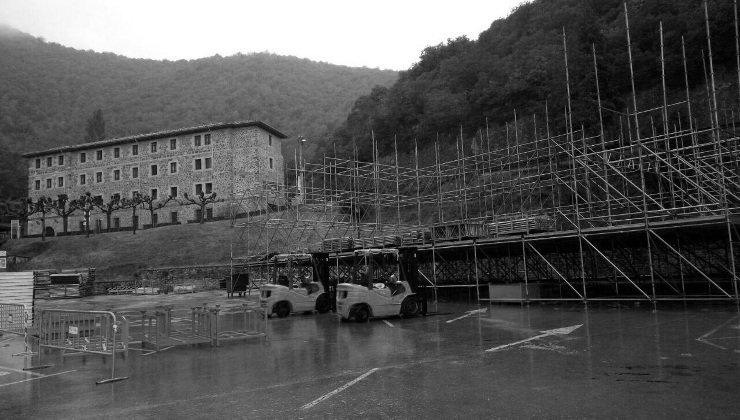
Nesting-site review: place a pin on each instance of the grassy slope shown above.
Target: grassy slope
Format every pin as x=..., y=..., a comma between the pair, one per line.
x=119, y=255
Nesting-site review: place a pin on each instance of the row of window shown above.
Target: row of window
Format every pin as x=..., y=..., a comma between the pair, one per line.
x=174, y=218
x=199, y=188
x=153, y=147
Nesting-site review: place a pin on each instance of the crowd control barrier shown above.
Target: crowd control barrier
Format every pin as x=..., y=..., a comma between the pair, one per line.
x=14, y=320
x=96, y=332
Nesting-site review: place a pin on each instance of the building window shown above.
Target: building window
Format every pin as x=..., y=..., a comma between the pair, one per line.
x=154, y=193
x=196, y=140
x=154, y=147
x=197, y=214
x=207, y=139
x=116, y=223
x=270, y=163
x=209, y=187
x=116, y=152
x=135, y=172
x=208, y=163
x=134, y=193
x=99, y=155
x=60, y=181
x=135, y=150
x=173, y=144
x=98, y=177
x=116, y=175
x=60, y=160
x=37, y=185
x=48, y=162
x=38, y=163
x=48, y=183
x=173, y=167
x=135, y=221
x=155, y=219
x=198, y=189
x=173, y=192
x=173, y=217
x=153, y=170
x=83, y=157
x=209, y=213
x=269, y=140
x=198, y=165
x=116, y=197
x=83, y=179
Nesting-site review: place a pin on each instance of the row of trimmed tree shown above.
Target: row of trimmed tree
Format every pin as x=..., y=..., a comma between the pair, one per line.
x=63, y=207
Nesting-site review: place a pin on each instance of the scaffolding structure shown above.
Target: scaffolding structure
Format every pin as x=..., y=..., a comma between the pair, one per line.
x=648, y=212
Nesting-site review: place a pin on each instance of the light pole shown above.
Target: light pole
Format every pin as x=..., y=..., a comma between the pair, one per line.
x=301, y=167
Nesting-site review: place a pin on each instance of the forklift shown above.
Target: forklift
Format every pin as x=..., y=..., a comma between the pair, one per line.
x=299, y=283
x=383, y=283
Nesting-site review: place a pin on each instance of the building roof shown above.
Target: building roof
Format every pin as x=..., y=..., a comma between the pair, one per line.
x=157, y=135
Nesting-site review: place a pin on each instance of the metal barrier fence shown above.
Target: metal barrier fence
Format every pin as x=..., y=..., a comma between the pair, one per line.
x=14, y=319
x=96, y=332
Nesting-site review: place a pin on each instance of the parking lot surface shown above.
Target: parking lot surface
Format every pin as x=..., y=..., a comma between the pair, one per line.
x=461, y=361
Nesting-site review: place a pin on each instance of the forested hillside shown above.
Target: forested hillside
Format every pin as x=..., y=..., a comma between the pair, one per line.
x=518, y=65
x=47, y=93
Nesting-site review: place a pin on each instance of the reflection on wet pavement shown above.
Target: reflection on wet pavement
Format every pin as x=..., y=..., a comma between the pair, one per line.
x=550, y=361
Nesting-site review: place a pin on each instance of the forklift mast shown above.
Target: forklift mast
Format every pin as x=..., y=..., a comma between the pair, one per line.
x=320, y=264
x=409, y=272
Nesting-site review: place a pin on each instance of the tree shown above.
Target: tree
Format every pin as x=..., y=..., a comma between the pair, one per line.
x=132, y=203
x=95, y=129
x=43, y=205
x=201, y=200
x=87, y=203
x=63, y=207
x=153, y=205
x=108, y=207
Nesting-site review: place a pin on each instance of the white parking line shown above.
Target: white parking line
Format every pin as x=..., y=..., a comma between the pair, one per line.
x=340, y=389
x=33, y=379
x=20, y=371
x=388, y=323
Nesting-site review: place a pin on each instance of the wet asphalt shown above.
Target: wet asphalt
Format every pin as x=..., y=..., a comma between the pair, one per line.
x=462, y=361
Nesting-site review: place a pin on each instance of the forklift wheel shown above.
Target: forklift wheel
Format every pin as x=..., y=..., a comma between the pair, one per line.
x=322, y=304
x=282, y=310
x=362, y=314
x=410, y=307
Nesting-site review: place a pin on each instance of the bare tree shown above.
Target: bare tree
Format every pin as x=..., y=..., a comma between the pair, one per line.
x=87, y=203
x=43, y=205
x=64, y=208
x=132, y=203
x=108, y=207
x=201, y=200
x=148, y=203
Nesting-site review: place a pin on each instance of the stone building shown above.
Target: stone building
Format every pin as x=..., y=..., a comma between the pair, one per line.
x=221, y=158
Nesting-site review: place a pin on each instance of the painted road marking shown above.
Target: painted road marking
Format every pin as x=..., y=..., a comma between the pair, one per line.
x=556, y=331
x=388, y=323
x=469, y=313
x=704, y=338
x=340, y=389
x=33, y=379
x=20, y=371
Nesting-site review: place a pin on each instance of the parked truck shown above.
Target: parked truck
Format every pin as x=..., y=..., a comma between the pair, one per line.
x=299, y=283
x=383, y=284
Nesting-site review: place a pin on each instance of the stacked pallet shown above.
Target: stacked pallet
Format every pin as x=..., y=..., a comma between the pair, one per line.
x=531, y=224
x=41, y=282
x=415, y=237
x=453, y=231
x=337, y=244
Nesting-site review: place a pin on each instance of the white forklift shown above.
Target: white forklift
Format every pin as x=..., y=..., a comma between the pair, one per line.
x=383, y=284
x=299, y=284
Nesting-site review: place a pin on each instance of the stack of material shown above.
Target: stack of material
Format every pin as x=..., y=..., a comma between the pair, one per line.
x=337, y=244
x=416, y=237
x=453, y=231
x=120, y=290
x=41, y=282
x=531, y=224
x=65, y=285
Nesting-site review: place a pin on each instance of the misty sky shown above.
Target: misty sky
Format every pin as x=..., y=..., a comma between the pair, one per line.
x=382, y=34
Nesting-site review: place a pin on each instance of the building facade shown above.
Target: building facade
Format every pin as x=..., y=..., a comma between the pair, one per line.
x=224, y=158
